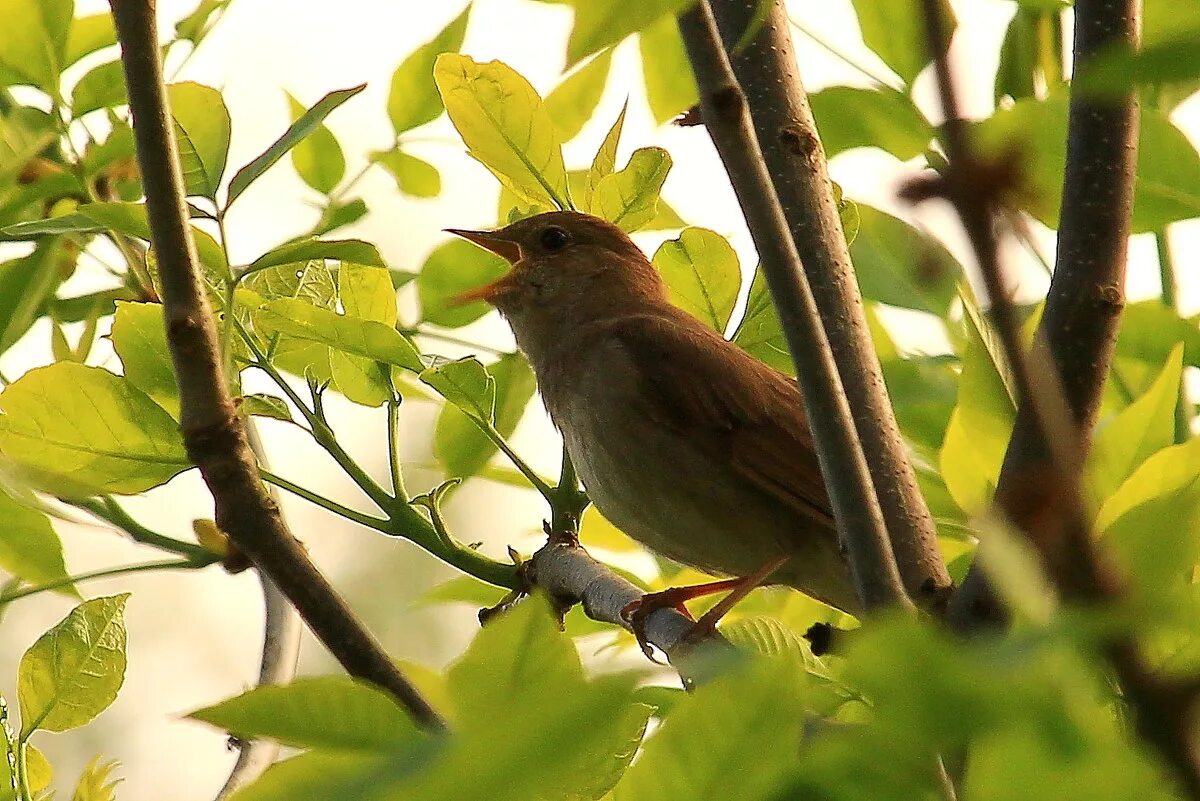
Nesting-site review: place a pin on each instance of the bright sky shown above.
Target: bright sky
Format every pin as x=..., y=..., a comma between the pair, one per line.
x=309, y=47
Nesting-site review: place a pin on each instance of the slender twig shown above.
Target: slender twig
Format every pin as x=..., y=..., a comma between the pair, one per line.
x=393, y=425
x=107, y=509
x=212, y=430
x=108, y=572
x=792, y=153
x=855, y=506
x=325, y=503
x=1170, y=299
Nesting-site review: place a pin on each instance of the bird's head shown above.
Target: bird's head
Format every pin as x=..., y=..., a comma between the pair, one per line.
x=567, y=268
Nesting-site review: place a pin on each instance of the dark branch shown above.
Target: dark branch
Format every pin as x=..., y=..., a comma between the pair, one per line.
x=212, y=431
x=792, y=151
x=843, y=464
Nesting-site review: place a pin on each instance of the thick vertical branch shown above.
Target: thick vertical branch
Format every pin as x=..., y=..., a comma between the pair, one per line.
x=791, y=148
x=843, y=464
x=213, y=433
x=1087, y=291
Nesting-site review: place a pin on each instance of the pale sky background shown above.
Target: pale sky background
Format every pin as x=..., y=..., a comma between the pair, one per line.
x=194, y=638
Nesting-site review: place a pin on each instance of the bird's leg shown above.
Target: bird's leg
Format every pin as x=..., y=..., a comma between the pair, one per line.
x=636, y=612
x=740, y=589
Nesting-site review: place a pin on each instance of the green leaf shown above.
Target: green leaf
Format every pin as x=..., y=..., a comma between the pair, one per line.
x=202, y=128
x=96, y=782
x=759, y=332
x=195, y=26
x=310, y=281
x=413, y=100
x=603, y=23
x=1170, y=470
x=1018, y=68
x=1168, y=168
x=339, y=215
x=101, y=87
x=347, y=776
x=367, y=338
x=140, y=340
x=1162, y=21
x=320, y=712
x=461, y=448
x=466, y=383
x=302, y=250
x=1145, y=426
x=1149, y=331
x=702, y=274
x=366, y=294
x=298, y=131
x=629, y=198
x=72, y=673
x=902, y=266
x=262, y=405
x=414, y=176
x=849, y=117
x=572, y=103
x=604, y=162
x=666, y=71
x=450, y=270
x=318, y=159
x=896, y=33
x=89, y=34
x=505, y=126
x=89, y=431
x=723, y=741
x=33, y=48
x=40, y=771
x=1175, y=61
x=29, y=548
x=25, y=285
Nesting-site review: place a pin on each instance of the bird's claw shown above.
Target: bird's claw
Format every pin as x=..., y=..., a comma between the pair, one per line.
x=635, y=613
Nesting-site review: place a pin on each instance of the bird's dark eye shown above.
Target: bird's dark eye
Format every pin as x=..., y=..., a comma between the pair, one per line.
x=554, y=238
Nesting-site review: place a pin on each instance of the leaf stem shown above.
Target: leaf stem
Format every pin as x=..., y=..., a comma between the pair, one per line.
x=453, y=340
x=325, y=503
x=539, y=484
x=107, y=509
x=124, y=570
x=1170, y=299
x=393, y=425
x=845, y=59
x=24, y=790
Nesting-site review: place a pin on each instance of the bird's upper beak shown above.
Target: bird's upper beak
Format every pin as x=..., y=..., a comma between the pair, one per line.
x=495, y=242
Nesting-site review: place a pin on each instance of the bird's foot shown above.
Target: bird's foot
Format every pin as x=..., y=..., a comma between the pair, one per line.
x=635, y=613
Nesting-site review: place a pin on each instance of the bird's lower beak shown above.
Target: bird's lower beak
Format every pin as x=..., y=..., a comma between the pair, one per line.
x=504, y=248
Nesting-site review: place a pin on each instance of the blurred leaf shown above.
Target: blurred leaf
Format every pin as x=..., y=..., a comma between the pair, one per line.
x=414, y=176
x=299, y=130
x=670, y=84
x=89, y=34
x=100, y=87
x=339, y=215
x=140, y=340
x=1162, y=20
x=1149, y=331
x=595, y=531
x=604, y=162
x=504, y=125
x=1175, y=61
x=33, y=48
x=262, y=405
x=413, y=100
x=318, y=712
x=466, y=383
x=571, y=104
x=1168, y=169
x=96, y=782
x=461, y=448
x=901, y=265
x=1016, y=73
x=196, y=25
x=1169, y=471
x=723, y=741
x=25, y=284
x=202, y=129
x=367, y=338
x=849, y=117
x=603, y=23
x=451, y=269
x=318, y=159
x=73, y=671
x=29, y=548
x=40, y=771
x=897, y=34
x=302, y=250
x=463, y=589
x=347, y=776
x=89, y=431
x=759, y=332
x=629, y=198
x=702, y=274
x=1146, y=426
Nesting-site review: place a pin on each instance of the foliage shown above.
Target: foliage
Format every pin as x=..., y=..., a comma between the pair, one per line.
x=1029, y=716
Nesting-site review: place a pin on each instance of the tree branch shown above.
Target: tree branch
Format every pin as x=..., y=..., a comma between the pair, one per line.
x=213, y=433
x=843, y=464
x=791, y=149
x=1039, y=482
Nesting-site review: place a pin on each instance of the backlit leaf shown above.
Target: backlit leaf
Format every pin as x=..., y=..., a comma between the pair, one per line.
x=450, y=270
x=573, y=101
x=202, y=129
x=629, y=198
x=459, y=445
x=702, y=275
x=413, y=99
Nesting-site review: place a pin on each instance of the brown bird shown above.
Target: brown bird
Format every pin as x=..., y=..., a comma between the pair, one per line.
x=686, y=443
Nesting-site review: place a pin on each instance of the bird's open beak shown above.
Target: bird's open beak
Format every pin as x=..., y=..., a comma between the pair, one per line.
x=504, y=248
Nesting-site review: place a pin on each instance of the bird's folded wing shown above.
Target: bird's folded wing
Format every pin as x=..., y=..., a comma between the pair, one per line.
x=709, y=384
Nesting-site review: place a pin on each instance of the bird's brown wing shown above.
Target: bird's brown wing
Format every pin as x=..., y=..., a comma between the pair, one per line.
x=709, y=384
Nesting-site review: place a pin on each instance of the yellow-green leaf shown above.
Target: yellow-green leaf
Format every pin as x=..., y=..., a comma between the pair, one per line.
x=318, y=159
x=702, y=274
x=29, y=548
x=504, y=125
x=367, y=338
x=572, y=102
x=450, y=270
x=602, y=23
x=459, y=445
x=466, y=383
x=629, y=198
x=202, y=129
x=666, y=71
x=413, y=100
x=140, y=340
x=414, y=176
x=605, y=160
